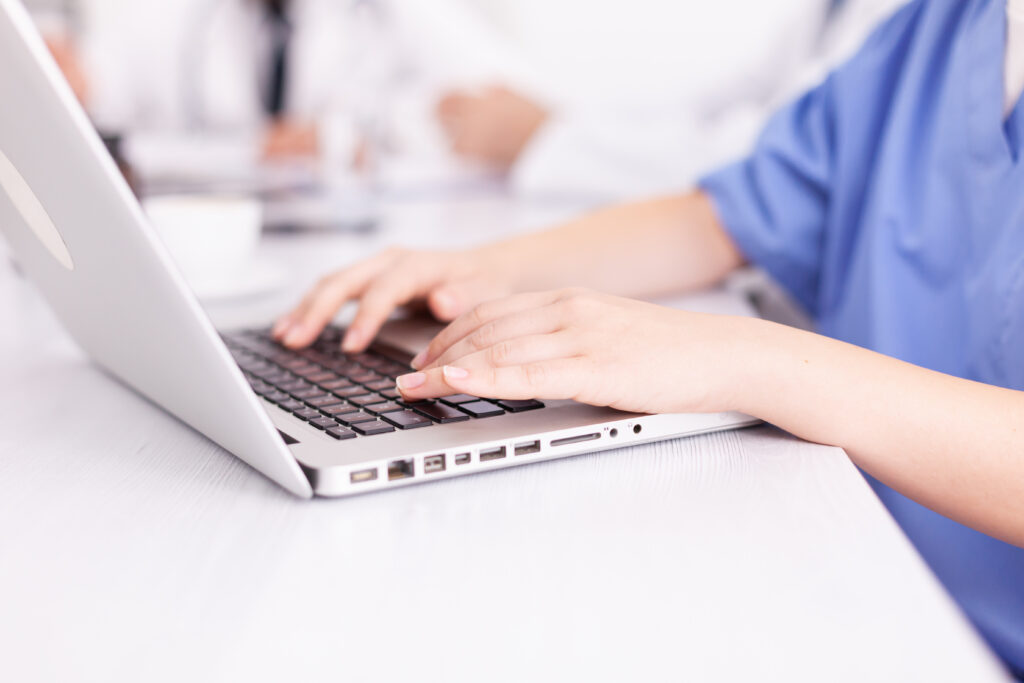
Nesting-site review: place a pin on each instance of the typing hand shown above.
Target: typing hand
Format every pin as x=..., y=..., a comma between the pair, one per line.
x=449, y=282
x=594, y=348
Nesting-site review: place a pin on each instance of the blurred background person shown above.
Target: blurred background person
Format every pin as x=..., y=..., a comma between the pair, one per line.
x=632, y=98
x=565, y=99
x=267, y=68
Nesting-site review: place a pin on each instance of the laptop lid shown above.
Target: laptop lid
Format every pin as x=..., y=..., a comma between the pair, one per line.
x=79, y=234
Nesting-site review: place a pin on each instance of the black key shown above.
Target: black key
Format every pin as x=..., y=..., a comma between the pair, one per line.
x=278, y=377
x=307, y=414
x=381, y=385
x=349, y=391
x=459, y=399
x=481, y=409
x=375, y=427
x=277, y=397
x=439, y=412
x=369, y=360
x=292, y=405
x=407, y=419
x=390, y=394
x=520, y=406
x=321, y=401
x=258, y=385
x=340, y=433
x=338, y=409
x=364, y=399
x=315, y=374
x=323, y=423
x=365, y=377
x=330, y=335
x=344, y=367
x=333, y=384
x=383, y=407
x=414, y=403
x=308, y=393
x=393, y=370
x=294, y=385
x=355, y=418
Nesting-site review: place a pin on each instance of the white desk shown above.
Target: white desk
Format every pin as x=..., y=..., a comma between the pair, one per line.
x=133, y=549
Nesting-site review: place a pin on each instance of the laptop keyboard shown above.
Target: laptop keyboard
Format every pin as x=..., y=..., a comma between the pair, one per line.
x=349, y=395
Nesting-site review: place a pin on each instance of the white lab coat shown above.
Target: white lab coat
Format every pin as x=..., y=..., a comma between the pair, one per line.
x=649, y=95
x=201, y=65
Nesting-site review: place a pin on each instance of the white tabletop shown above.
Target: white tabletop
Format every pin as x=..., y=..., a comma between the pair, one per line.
x=133, y=549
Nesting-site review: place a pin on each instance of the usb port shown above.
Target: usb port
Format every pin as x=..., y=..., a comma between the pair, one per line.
x=433, y=463
x=363, y=475
x=528, y=448
x=400, y=469
x=462, y=459
x=492, y=454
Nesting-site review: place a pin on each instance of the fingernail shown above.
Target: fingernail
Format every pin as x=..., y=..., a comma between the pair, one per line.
x=352, y=341
x=417, y=362
x=295, y=334
x=412, y=381
x=452, y=372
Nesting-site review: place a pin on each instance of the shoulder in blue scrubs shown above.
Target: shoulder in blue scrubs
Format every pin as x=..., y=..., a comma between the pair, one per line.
x=890, y=202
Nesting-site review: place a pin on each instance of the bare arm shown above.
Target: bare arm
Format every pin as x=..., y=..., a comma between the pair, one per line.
x=641, y=249
x=953, y=445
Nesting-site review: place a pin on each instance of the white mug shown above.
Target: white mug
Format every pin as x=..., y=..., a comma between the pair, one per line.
x=212, y=238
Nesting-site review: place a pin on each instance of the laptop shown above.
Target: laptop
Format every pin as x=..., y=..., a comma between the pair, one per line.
x=316, y=421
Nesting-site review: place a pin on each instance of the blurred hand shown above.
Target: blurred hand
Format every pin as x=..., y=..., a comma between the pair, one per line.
x=493, y=127
x=290, y=139
x=64, y=53
x=594, y=348
x=450, y=283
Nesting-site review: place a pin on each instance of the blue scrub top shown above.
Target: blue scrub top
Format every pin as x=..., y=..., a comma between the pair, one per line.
x=890, y=202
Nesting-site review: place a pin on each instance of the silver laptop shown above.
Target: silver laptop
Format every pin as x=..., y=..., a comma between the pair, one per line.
x=314, y=421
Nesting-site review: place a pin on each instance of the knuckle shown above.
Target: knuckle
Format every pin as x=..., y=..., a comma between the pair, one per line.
x=535, y=375
x=579, y=304
x=501, y=353
x=483, y=337
x=478, y=316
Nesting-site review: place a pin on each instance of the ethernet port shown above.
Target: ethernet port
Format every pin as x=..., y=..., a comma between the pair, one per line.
x=400, y=469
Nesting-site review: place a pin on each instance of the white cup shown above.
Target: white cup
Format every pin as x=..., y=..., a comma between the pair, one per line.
x=213, y=239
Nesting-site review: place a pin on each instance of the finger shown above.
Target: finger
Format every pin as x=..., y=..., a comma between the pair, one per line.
x=447, y=302
x=561, y=378
x=380, y=299
x=498, y=334
x=307, y=320
x=478, y=316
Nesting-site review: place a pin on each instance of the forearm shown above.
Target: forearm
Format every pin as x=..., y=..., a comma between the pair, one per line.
x=640, y=250
x=953, y=445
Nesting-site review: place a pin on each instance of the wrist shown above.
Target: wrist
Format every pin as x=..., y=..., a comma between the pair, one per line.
x=758, y=360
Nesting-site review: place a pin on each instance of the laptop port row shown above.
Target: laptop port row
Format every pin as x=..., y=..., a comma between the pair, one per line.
x=434, y=464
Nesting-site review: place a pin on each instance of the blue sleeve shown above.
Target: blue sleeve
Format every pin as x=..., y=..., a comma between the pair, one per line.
x=776, y=203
